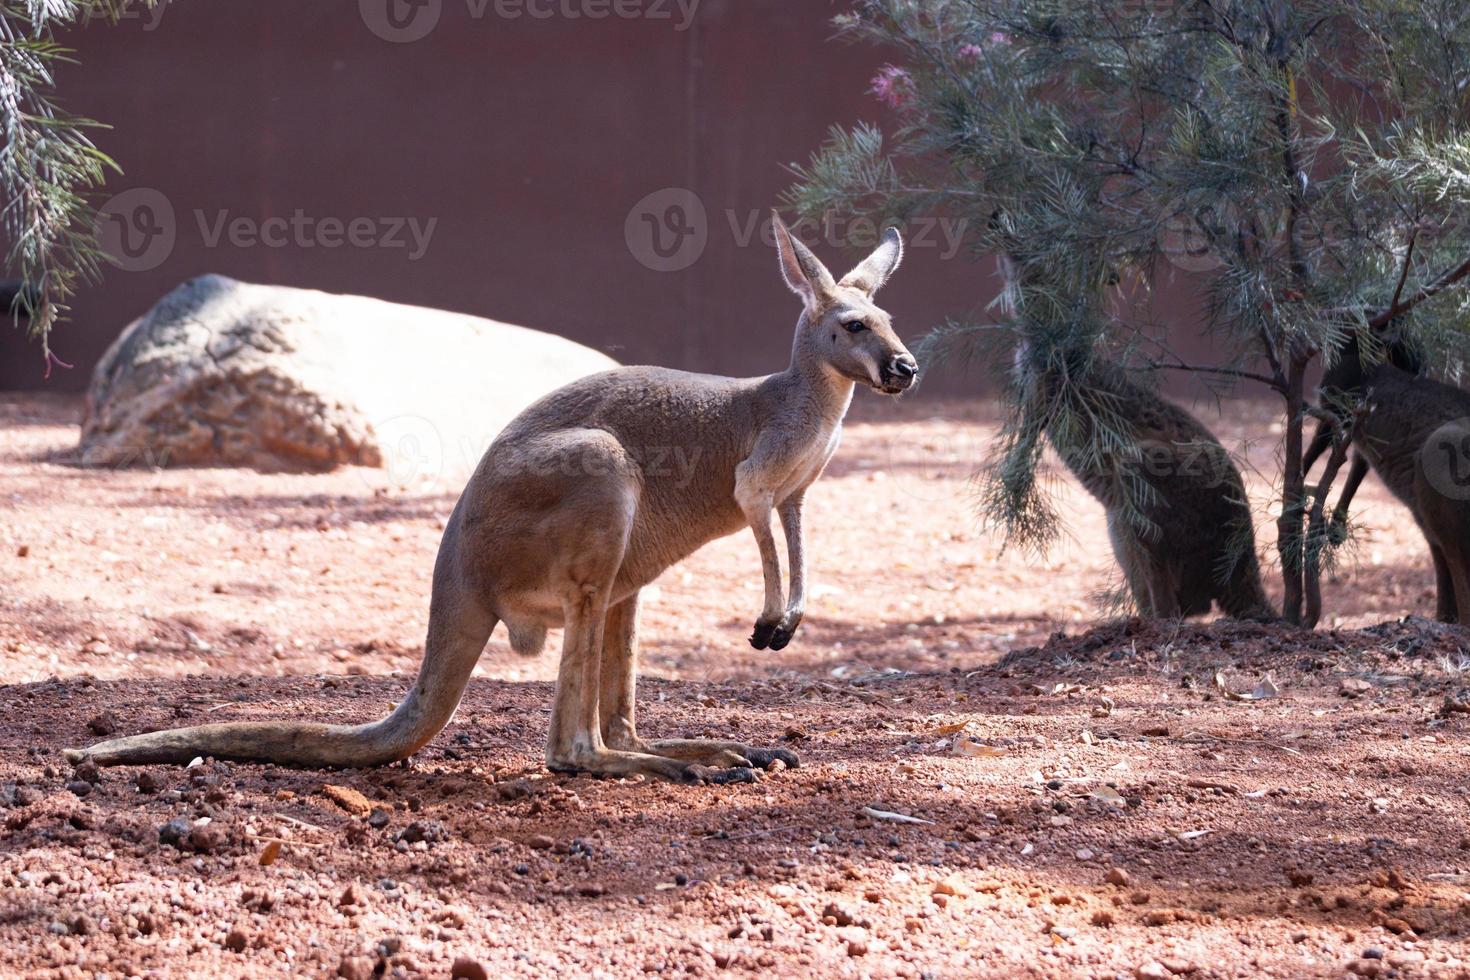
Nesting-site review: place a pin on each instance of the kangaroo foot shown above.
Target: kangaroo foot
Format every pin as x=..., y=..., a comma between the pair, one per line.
x=723, y=753
x=763, y=758
x=774, y=635
x=764, y=633
x=609, y=762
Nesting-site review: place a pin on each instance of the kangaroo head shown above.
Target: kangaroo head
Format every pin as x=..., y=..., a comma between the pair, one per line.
x=1353, y=359
x=840, y=326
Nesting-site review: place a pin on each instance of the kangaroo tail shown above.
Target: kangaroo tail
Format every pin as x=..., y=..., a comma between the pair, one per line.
x=458, y=630
x=1243, y=596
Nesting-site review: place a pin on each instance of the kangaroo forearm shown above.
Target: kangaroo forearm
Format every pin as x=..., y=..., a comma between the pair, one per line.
x=1321, y=439
x=1355, y=477
x=796, y=558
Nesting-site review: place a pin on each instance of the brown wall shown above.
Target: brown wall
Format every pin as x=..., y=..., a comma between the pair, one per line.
x=527, y=140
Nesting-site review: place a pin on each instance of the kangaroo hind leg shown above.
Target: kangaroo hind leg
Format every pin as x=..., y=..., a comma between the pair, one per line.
x=597, y=535
x=618, y=707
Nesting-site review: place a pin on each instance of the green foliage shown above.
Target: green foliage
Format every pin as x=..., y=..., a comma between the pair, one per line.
x=1302, y=165
x=48, y=164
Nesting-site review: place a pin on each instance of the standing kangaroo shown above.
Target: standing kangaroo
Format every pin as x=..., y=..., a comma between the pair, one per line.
x=569, y=515
x=1195, y=544
x=1415, y=434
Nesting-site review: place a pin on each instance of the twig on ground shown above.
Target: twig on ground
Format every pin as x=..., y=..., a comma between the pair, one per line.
x=1202, y=736
x=876, y=814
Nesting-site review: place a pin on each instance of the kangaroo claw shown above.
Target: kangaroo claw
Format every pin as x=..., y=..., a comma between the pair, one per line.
x=764, y=632
x=721, y=777
x=762, y=758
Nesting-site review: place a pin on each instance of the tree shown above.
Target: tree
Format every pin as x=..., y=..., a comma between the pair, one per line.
x=1303, y=166
x=48, y=164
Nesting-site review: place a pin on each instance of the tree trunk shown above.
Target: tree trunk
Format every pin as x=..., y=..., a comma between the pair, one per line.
x=1317, y=533
x=1289, y=538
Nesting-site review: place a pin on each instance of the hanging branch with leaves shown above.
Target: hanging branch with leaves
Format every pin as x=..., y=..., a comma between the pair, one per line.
x=49, y=166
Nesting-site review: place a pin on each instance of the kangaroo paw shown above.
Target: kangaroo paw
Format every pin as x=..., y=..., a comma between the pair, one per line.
x=720, y=777
x=764, y=632
x=780, y=637
x=762, y=758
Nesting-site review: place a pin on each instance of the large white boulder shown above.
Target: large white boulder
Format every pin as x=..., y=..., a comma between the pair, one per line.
x=225, y=373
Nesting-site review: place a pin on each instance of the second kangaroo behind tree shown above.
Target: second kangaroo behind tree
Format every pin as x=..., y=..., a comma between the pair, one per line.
x=1415, y=434
x=568, y=516
x=1195, y=542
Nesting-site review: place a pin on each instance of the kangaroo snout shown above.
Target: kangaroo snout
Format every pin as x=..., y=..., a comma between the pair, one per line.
x=900, y=373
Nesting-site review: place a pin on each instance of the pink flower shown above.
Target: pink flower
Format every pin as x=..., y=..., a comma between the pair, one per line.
x=971, y=52
x=893, y=86
x=1000, y=37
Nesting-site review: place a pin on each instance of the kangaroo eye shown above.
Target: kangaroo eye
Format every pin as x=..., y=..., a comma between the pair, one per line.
x=854, y=326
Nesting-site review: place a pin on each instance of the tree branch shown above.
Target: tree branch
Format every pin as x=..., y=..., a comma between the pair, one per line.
x=1399, y=307
x=1226, y=371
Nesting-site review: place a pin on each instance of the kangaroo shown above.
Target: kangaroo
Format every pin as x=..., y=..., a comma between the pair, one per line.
x=1178, y=517
x=566, y=518
x=1414, y=432
x=1195, y=544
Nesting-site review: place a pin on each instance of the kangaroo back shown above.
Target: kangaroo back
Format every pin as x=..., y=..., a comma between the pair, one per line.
x=1177, y=508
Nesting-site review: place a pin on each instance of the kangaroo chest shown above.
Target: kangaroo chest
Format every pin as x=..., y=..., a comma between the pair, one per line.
x=808, y=458
x=1392, y=434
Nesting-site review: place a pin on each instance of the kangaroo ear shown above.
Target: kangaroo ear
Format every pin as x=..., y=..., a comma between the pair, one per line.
x=876, y=268
x=803, y=271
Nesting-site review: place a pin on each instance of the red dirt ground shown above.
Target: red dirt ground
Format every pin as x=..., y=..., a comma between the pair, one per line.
x=1101, y=804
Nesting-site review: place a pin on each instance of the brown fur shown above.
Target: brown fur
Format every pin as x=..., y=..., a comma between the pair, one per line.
x=1399, y=415
x=1201, y=547
x=576, y=506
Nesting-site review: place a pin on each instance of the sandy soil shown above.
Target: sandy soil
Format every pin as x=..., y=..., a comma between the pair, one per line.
x=1102, y=803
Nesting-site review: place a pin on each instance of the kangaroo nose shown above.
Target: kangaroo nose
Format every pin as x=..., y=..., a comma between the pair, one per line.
x=904, y=366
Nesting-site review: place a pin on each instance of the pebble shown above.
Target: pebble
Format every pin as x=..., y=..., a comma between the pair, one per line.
x=352, y=895
x=1117, y=876
x=1298, y=877
x=206, y=838
x=175, y=832
x=856, y=947
x=149, y=782
x=540, y=843
x=467, y=968
x=429, y=831
x=378, y=819
x=1152, y=970
x=348, y=799
x=104, y=723
x=355, y=968
x=79, y=787
x=951, y=886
